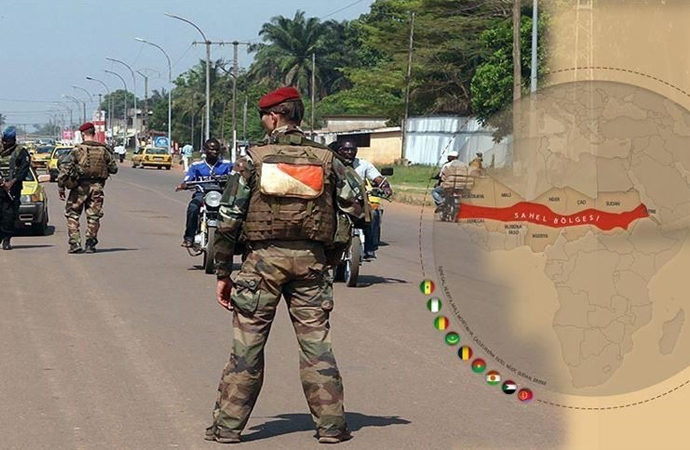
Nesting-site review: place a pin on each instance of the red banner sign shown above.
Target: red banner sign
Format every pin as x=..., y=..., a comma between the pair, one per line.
x=542, y=215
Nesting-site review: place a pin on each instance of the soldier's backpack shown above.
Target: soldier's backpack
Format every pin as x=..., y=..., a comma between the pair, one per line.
x=92, y=161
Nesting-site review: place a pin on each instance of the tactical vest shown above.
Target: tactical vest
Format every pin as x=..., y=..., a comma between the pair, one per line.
x=8, y=163
x=5, y=165
x=292, y=192
x=91, y=157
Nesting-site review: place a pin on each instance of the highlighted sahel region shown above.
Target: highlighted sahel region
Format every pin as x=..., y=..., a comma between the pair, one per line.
x=543, y=215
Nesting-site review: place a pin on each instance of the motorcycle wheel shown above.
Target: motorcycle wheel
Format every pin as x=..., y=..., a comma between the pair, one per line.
x=353, y=261
x=209, y=255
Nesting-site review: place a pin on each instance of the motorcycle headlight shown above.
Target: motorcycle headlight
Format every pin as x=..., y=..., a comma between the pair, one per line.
x=25, y=199
x=212, y=199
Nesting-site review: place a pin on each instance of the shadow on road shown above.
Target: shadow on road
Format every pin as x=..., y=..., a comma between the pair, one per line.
x=369, y=280
x=26, y=232
x=116, y=249
x=293, y=423
x=20, y=247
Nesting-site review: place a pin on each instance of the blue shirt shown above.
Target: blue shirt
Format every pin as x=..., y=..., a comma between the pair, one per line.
x=201, y=170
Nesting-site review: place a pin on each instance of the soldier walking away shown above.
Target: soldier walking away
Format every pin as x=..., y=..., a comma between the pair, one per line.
x=84, y=173
x=284, y=202
x=15, y=162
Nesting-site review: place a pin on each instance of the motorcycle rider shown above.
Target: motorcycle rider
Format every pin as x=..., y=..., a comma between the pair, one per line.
x=347, y=149
x=438, y=193
x=212, y=165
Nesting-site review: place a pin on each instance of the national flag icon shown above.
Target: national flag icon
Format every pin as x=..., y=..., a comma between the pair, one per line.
x=465, y=353
x=493, y=377
x=434, y=305
x=291, y=180
x=525, y=395
x=441, y=323
x=427, y=287
x=509, y=387
x=478, y=365
x=452, y=338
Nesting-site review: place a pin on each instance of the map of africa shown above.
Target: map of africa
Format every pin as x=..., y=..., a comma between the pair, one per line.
x=578, y=240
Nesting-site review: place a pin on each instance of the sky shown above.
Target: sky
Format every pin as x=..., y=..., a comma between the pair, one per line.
x=48, y=46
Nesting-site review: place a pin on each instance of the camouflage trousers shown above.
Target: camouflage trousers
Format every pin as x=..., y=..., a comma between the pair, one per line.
x=88, y=196
x=296, y=271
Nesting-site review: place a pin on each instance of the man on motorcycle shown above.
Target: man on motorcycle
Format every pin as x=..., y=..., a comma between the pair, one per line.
x=211, y=166
x=438, y=193
x=347, y=149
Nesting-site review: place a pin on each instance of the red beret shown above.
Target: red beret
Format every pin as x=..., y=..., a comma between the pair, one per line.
x=86, y=126
x=278, y=96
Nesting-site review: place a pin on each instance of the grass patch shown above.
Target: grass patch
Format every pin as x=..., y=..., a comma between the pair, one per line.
x=414, y=177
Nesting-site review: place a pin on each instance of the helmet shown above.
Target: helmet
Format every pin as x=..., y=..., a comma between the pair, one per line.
x=453, y=154
x=348, y=149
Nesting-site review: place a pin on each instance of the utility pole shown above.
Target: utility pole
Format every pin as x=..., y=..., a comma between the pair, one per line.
x=517, y=65
x=208, y=67
x=244, y=119
x=134, y=116
x=535, y=37
x=408, y=79
x=313, y=91
x=110, y=103
x=146, y=98
x=169, y=90
x=124, y=130
x=236, y=74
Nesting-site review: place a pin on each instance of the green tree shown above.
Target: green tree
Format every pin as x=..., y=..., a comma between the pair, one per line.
x=118, y=97
x=491, y=87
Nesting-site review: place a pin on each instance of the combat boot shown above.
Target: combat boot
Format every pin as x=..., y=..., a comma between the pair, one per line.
x=90, y=246
x=6, y=244
x=74, y=248
x=221, y=435
x=335, y=438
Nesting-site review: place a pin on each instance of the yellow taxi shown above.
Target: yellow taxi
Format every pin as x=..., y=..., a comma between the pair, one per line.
x=152, y=157
x=33, y=207
x=41, y=156
x=58, y=152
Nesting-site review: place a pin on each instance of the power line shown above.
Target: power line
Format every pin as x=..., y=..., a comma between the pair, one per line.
x=342, y=9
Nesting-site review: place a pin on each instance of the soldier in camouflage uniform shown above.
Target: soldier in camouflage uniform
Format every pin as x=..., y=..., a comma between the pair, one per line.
x=283, y=202
x=84, y=172
x=15, y=162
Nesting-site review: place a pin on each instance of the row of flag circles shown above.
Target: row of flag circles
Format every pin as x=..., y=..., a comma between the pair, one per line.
x=478, y=365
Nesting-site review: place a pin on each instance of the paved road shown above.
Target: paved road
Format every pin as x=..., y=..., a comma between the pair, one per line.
x=124, y=348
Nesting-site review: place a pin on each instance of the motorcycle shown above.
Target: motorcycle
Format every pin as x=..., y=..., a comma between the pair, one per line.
x=208, y=219
x=348, y=269
x=451, y=205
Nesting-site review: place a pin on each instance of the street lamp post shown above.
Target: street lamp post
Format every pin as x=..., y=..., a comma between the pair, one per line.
x=208, y=70
x=169, y=88
x=87, y=93
x=110, y=102
x=71, y=119
x=134, y=120
x=79, y=103
x=124, y=131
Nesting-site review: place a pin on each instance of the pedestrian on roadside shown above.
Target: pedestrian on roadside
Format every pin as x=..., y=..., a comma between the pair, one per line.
x=84, y=173
x=15, y=163
x=187, y=151
x=283, y=200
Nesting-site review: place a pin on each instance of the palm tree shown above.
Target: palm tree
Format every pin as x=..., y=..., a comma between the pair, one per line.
x=286, y=53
